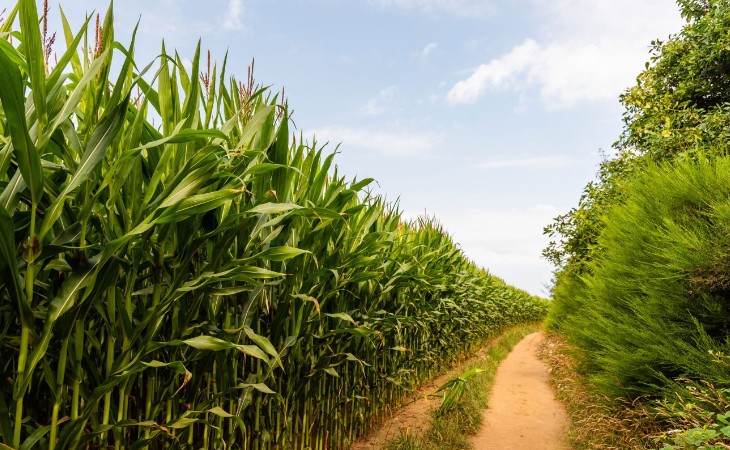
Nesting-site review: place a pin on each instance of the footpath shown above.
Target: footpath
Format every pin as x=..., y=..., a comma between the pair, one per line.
x=523, y=412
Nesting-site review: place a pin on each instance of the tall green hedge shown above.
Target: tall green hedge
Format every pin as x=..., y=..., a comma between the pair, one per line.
x=654, y=303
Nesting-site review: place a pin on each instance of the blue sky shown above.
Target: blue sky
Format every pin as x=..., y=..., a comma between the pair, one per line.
x=487, y=114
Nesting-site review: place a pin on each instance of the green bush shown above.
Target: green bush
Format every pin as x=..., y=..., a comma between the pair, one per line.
x=654, y=303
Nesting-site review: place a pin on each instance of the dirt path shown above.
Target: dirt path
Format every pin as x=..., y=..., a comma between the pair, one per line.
x=523, y=413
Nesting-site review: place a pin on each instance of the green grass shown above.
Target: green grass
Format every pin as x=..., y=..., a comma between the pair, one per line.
x=453, y=429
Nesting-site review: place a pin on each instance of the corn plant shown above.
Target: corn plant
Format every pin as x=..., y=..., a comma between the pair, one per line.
x=180, y=271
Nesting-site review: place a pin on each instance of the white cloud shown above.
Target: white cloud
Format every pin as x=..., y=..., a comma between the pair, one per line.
x=427, y=50
x=465, y=8
x=378, y=104
x=234, y=15
x=498, y=73
x=591, y=50
x=522, y=163
x=599, y=19
x=400, y=143
x=564, y=73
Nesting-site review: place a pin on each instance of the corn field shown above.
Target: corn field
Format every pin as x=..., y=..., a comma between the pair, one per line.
x=179, y=271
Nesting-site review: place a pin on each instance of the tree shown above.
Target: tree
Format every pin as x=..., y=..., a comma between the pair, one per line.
x=680, y=105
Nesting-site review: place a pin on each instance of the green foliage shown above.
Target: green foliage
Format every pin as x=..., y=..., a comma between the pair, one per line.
x=573, y=235
x=661, y=302
x=653, y=304
x=454, y=389
x=209, y=283
x=680, y=102
x=680, y=105
x=713, y=437
x=699, y=418
x=642, y=281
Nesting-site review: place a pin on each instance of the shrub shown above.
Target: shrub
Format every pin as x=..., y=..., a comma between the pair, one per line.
x=653, y=304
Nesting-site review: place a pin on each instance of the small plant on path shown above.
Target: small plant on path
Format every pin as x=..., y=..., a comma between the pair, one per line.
x=454, y=389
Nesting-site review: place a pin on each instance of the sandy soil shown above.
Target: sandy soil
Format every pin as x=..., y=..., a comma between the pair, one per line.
x=523, y=413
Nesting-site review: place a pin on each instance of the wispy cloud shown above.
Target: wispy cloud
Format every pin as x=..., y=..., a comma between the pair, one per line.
x=498, y=73
x=427, y=50
x=464, y=8
x=592, y=51
x=563, y=73
x=398, y=143
x=234, y=15
x=379, y=104
x=521, y=163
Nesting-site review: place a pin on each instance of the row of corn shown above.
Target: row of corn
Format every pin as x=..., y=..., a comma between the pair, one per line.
x=178, y=271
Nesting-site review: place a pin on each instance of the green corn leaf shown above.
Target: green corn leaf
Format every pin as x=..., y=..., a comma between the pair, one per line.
x=13, y=101
x=281, y=253
x=356, y=331
x=197, y=204
x=252, y=350
x=34, y=437
x=220, y=412
x=70, y=53
x=190, y=109
x=259, y=168
x=308, y=298
x=254, y=273
x=9, y=266
x=280, y=178
x=98, y=144
x=274, y=208
x=190, y=184
x=261, y=387
x=257, y=134
x=96, y=148
x=189, y=135
x=210, y=343
x=179, y=135
x=175, y=366
x=35, y=58
x=358, y=186
x=7, y=24
x=342, y=316
x=69, y=37
x=73, y=100
x=12, y=54
x=164, y=92
x=181, y=423
x=126, y=70
x=264, y=344
x=66, y=298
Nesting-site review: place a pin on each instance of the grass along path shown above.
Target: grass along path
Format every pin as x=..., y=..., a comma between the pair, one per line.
x=523, y=412
x=418, y=425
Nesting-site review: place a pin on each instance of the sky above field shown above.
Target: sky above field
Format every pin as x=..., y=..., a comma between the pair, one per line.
x=490, y=115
